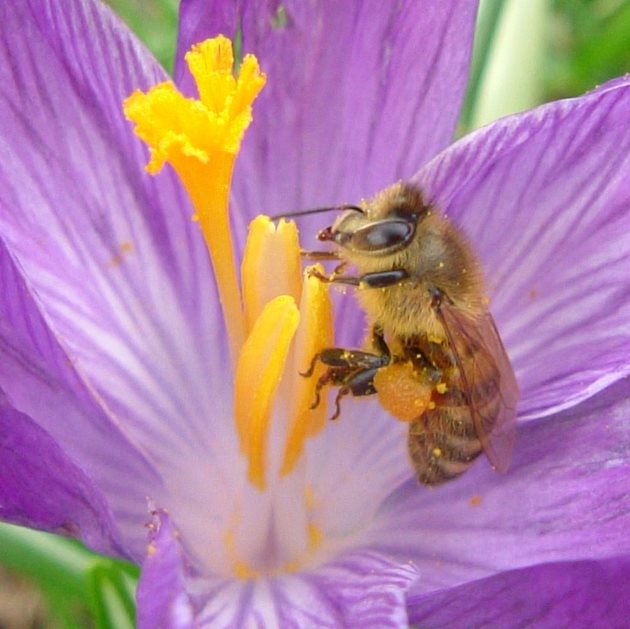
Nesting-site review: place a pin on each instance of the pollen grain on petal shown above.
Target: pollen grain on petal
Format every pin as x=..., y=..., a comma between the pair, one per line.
x=240, y=568
x=315, y=536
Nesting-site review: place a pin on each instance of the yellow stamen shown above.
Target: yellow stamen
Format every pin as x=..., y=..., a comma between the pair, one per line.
x=315, y=333
x=271, y=265
x=258, y=373
x=200, y=139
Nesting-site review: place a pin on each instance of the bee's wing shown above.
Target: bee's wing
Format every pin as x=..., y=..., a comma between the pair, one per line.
x=481, y=359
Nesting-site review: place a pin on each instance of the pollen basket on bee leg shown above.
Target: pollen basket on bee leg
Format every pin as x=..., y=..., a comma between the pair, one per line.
x=401, y=392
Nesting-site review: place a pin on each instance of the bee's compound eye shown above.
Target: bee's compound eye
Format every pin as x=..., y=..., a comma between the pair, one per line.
x=383, y=235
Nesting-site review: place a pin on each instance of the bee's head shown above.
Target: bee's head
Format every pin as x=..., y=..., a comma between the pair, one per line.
x=383, y=226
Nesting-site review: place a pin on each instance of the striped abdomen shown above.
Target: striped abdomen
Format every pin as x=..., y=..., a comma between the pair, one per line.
x=444, y=441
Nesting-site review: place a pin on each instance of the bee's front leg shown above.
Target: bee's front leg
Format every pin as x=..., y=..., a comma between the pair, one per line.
x=311, y=254
x=380, y=279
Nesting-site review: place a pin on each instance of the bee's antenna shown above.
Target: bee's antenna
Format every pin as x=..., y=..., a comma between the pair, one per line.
x=316, y=210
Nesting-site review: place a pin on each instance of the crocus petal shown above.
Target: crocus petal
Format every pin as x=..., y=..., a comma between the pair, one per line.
x=358, y=93
x=162, y=598
x=354, y=465
x=359, y=589
x=564, y=498
x=41, y=380
x=120, y=272
x=544, y=198
x=578, y=594
x=56, y=400
x=40, y=487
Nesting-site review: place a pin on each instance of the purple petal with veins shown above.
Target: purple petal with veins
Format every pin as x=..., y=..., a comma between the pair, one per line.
x=162, y=597
x=118, y=270
x=112, y=351
x=570, y=594
x=356, y=589
x=41, y=487
x=41, y=380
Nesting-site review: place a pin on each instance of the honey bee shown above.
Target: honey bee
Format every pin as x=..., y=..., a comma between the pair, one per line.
x=436, y=359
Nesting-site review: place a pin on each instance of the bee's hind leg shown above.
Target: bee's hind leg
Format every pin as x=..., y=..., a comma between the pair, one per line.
x=330, y=377
x=359, y=384
x=341, y=393
x=311, y=368
x=351, y=370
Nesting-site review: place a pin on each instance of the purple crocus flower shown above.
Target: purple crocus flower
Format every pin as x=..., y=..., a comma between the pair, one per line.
x=115, y=385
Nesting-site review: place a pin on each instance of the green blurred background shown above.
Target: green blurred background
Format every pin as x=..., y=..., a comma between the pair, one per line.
x=527, y=52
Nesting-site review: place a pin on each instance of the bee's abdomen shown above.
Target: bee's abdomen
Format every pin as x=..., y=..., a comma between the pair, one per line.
x=443, y=442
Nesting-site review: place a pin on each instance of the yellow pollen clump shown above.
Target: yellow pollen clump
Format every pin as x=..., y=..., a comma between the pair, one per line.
x=402, y=392
x=176, y=127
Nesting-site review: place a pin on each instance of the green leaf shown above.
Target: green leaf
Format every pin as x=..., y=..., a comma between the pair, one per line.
x=154, y=22
x=512, y=77
x=77, y=583
x=487, y=20
x=590, y=46
x=112, y=595
x=46, y=559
